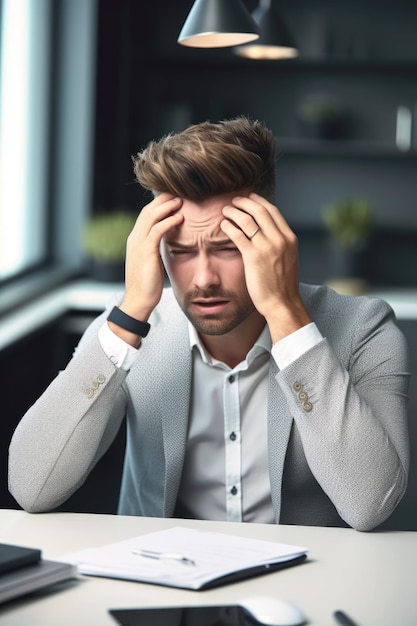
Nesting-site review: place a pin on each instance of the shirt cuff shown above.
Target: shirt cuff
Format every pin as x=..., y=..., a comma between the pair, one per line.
x=119, y=352
x=289, y=349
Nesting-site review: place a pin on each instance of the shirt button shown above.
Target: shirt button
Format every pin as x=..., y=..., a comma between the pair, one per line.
x=297, y=386
x=231, y=379
x=232, y=436
x=233, y=491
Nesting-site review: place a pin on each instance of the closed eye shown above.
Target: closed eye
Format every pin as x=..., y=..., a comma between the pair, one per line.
x=181, y=252
x=226, y=250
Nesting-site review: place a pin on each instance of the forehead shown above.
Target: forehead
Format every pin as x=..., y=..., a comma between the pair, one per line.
x=201, y=219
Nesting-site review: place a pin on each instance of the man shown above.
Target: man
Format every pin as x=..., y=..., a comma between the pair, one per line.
x=252, y=397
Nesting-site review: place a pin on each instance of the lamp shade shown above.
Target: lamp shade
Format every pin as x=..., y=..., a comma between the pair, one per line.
x=274, y=42
x=218, y=24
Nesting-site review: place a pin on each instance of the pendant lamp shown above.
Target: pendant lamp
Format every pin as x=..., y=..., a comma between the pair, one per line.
x=274, y=42
x=218, y=24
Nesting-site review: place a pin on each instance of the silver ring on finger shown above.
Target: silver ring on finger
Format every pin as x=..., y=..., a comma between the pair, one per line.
x=257, y=229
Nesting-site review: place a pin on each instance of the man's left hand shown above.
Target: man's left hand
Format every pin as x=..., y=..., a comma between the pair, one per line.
x=269, y=251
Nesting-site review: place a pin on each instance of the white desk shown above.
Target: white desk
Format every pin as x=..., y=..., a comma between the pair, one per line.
x=372, y=576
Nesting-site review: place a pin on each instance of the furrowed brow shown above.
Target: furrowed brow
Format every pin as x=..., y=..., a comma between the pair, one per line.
x=217, y=243
x=180, y=246
x=220, y=243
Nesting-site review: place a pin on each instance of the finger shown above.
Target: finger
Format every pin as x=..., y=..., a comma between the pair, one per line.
x=157, y=217
x=263, y=212
x=162, y=206
x=249, y=214
x=236, y=235
x=241, y=220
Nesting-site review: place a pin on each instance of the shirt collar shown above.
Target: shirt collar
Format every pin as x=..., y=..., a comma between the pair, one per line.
x=262, y=344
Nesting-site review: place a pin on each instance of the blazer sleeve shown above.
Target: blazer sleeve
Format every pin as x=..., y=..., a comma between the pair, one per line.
x=63, y=435
x=348, y=398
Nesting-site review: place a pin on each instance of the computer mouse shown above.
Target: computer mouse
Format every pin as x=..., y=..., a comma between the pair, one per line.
x=272, y=611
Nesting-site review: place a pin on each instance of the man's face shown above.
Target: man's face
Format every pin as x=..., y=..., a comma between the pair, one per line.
x=206, y=269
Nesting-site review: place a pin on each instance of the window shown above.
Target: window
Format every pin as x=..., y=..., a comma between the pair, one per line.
x=47, y=89
x=24, y=133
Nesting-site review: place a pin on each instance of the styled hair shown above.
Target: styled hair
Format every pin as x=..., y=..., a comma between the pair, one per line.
x=210, y=159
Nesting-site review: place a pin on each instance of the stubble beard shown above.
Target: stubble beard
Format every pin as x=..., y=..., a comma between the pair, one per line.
x=216, y=324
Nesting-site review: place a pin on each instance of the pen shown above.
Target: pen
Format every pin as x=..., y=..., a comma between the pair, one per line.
x=343, y=619
x=153, y=554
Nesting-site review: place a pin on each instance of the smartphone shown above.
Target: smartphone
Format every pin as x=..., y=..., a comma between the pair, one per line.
x=184, y=616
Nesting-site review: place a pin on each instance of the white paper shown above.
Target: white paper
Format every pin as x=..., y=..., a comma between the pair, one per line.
x=214, y=554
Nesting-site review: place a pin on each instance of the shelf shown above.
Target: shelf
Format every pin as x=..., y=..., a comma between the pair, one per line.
x=87, y=295
x=343, y=148
x=80, y=295
x=224, y=58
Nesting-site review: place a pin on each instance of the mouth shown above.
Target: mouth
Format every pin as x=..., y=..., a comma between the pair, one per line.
x=209, y=306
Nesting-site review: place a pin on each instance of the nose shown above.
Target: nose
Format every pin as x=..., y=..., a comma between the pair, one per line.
x=206, y=272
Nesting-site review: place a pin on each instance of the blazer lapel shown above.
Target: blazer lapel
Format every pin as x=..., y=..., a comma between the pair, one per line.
x=279, y=429
x=176, y=398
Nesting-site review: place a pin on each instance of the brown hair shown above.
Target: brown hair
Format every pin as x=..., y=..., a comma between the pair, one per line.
x=210, y=159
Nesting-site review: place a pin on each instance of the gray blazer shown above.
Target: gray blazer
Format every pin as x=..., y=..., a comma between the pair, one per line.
x=338, y=454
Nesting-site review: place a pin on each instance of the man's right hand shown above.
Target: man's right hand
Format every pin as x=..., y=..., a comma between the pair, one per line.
x=144, y=272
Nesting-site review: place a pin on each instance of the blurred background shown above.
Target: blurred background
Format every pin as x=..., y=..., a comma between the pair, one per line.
x=85, y=84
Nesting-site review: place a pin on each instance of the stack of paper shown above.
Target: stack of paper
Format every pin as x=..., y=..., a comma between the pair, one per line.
x=191, y=559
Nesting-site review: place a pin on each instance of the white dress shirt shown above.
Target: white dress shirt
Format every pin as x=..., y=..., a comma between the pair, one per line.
x=226, y=475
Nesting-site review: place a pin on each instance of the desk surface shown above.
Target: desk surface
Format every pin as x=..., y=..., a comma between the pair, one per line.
x=372, y=576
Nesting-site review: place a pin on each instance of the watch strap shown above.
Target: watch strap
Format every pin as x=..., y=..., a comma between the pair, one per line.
x=122, y=319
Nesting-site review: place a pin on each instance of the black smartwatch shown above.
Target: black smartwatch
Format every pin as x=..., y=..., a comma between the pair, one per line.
x=128, y=323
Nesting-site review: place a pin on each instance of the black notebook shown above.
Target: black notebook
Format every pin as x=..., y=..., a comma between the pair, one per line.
x=14, y=557
x=22, y=570
x=34, y=577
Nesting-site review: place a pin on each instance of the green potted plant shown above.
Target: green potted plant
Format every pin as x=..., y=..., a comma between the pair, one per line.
x=104, y=243
x=322, y=116
x=349, y=223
